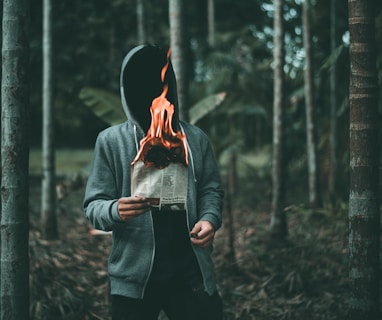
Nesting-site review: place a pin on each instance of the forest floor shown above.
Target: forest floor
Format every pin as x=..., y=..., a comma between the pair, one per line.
x=303, y=277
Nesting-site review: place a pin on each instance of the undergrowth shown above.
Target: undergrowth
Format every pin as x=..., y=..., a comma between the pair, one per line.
x=301, y=277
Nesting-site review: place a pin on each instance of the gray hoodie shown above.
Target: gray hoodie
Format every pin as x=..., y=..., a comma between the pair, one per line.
x=132, y=254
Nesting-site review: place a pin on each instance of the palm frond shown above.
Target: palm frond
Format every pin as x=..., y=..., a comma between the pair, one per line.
x=205, y=106
x=104, y=104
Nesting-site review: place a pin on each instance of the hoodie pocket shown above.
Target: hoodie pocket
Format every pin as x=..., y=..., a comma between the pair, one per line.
x=131, y=252
x=116, y=250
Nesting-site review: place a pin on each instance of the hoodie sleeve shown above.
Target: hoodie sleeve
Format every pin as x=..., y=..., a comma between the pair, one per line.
x=210, y=192
x=101, y=198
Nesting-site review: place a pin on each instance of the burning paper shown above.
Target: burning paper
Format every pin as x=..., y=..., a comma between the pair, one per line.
x=166, y=189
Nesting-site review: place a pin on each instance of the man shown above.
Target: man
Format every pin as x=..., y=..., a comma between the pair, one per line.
x=160, y=259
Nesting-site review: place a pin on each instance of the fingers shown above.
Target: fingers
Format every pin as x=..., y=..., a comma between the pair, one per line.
x=202, y=234
x=130, y=207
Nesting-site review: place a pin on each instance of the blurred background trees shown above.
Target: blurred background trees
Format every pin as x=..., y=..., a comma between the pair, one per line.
x=91, y=38
x=278, y=222
x=217, y=46
x=228, y=48
x=48, y=185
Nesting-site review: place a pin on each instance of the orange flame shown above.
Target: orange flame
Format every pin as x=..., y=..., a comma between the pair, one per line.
x=162, y=145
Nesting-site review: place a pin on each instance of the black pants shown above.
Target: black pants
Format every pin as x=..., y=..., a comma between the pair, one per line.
x=178, y=302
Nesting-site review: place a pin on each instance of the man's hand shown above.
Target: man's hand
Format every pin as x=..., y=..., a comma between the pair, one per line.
x=130, y=207
x=202, y=234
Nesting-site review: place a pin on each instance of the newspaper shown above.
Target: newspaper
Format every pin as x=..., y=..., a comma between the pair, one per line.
x=166, y=188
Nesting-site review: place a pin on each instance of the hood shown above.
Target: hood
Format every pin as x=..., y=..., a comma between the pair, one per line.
x=140, y=83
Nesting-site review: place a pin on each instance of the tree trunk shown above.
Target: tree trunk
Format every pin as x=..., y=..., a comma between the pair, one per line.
x=1, y=73
x=14, y=297
x=278, y=220
x=112, y=44
x=333, y=112
x=231, y=185
x=178, y=56
x=364, y=216
x=211, y=22
x=309, y=105
x=141, y=21
x=48, y=189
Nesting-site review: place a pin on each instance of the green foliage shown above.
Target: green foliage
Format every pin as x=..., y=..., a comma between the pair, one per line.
x=105, y=105
x=205, y=106
x=91, y=38
x=334, y=57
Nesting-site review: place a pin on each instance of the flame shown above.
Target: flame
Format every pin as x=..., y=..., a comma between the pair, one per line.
x=162, y=145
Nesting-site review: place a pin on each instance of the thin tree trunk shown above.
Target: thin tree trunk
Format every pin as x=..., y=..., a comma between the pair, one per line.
x=278, y=220
x=150, y=23
x=211, y=22
x=112, y=44
x=364, y=216
x=141, y=21
x=14, y=265
x=48, y=191
x=333, y=111
x=178, y=56
x=1, y=73
x=231, y=184
x=309, y=105
x=258, y=132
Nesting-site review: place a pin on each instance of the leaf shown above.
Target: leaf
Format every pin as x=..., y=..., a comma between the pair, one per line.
x=104, y=104
x=247, y=109
x=333, y=58
x=205, y=106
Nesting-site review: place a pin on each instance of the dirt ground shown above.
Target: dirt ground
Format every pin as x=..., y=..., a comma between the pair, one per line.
x=304, y=277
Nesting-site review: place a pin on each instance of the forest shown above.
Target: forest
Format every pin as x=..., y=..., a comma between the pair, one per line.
x=288, y=92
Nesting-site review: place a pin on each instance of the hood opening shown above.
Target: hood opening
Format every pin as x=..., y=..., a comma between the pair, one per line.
x=141, y=83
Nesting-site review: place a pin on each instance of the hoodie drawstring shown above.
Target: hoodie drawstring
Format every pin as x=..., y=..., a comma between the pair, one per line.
x=136, y=138
x=189, y=153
